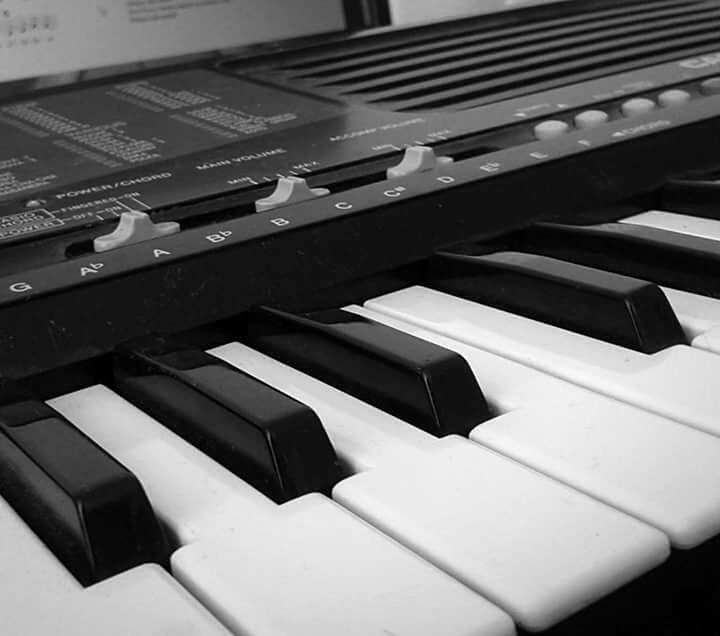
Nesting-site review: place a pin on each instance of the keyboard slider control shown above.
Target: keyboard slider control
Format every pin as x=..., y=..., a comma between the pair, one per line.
x=134, y=227
x=289, y=190
x=417, y=159
x=87, y=508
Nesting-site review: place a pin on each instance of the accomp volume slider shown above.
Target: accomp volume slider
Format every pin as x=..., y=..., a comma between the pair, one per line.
x=289, y=190
x=417, y=159
x=134, y=227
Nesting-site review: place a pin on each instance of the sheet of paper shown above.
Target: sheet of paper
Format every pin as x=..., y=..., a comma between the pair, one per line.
x=43, y=37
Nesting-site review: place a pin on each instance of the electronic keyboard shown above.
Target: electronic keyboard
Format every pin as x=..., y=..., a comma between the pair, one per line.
x=412, y=331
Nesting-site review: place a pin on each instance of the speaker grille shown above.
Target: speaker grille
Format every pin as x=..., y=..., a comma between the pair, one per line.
x=469, y=63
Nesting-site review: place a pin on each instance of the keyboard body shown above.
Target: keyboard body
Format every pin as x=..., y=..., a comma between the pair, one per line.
x=346, y=310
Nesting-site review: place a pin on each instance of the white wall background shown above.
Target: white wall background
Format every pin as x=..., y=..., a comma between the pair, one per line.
x=409, y=11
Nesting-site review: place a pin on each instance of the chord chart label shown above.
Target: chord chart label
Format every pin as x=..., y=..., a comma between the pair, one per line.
x=66, y=138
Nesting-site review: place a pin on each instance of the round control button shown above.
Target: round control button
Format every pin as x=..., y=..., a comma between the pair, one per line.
x=637, y=106
x=711, y=86
x=591, y=118
x=550, y=129
x=674, y=97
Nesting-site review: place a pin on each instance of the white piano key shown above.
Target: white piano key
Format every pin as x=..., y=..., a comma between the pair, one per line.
x=699, y=317
x=317, y=570
x=682, y=223
x=42, y=597
x=629, y=458
x=678, y=382
x=537, y=548
x=696, y=313
x=307, y=567
x=709, y=340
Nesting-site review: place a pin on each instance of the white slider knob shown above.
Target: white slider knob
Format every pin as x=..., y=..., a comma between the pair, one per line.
x=415, y=160
x=289, y=190
x=134, y=227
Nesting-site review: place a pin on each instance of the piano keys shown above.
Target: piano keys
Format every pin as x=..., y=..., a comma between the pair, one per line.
x=307, y=566
x=554, y=481
x=559, y=479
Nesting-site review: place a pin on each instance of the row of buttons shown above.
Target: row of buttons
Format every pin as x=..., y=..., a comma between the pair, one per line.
x=552, y=128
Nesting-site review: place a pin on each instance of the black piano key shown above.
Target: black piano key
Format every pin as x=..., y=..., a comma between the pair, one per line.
x=424, y=384
x=696, y=197
x=272, y=441
x=671, y=259
x=611, y=307
x=87, y=508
